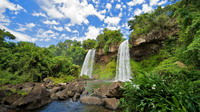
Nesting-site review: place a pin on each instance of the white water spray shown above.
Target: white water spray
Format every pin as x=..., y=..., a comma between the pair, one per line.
x=123, y=72
x=88, y=63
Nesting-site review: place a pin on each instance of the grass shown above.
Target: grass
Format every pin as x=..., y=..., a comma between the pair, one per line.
x=105, y=72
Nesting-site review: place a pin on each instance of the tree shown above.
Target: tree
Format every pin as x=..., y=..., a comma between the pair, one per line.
x=5, y=35
x=89, y=44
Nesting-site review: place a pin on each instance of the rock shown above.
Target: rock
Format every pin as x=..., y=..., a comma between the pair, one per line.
x=70, y=93
x=90, y=100
x=54, y=90
x=54, y=96
x=27, y=89
x=148, y=44
x=37, y=98
x=76, y=96
x=110, y=103
x=180, y=64
x=102, y=91
x=75, y=87
x=85, y=93
x=114, y=90
x=109, y=91
x=62, y=95
x=28, y=84
x=47, y=80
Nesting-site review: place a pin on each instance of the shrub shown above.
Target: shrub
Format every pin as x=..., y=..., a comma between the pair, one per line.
x=154, y=93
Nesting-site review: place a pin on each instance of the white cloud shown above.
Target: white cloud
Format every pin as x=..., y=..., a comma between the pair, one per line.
x=51, y=22
x=75, y=31
x=30, y=25
x=118, y=6
x=137, y=12
x=27, y=26
x=75, y=10
x=162, y=2
x=68, y=29
x=19, y=36
x=49, y=34
x=154, y=2
x=108, y=6
x=5, y=4
x=58, y=28
x=39, y=14
x=112, y=20
x=146, y=8
x=135, y=2
x=92, y=33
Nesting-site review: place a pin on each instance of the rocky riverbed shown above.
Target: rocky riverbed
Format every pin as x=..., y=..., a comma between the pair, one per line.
x=31, y=96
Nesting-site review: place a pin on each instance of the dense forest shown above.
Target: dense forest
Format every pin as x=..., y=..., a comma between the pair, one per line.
x=167, y=79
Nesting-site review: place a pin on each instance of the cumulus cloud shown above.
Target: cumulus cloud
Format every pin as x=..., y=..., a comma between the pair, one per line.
x=137, y=12
x=46, y=35
x=162, y=2
x=39, y=14
x=108, y=6
x=146, y=8
x=135, y=2
x=19, y=36
x=58, y=28
x=27, y=26
x=5, y=4
x=67, y=29
x=75, y=10
x=51, y=22
x=92, y=33
x=112, y=20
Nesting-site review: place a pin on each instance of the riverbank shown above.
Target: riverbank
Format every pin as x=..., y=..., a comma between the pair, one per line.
x=33, y=96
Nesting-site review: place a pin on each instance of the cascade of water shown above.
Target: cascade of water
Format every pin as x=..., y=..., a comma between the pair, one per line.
x=123, y=71
x=88, y=63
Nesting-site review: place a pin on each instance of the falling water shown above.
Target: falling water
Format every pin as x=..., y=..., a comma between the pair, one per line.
x=123, y=72
x=88, y=63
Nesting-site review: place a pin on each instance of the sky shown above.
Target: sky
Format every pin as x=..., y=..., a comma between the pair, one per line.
x=47, y=22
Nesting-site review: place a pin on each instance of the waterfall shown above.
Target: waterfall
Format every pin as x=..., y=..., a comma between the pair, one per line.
x=88, y=63
x=123, y=71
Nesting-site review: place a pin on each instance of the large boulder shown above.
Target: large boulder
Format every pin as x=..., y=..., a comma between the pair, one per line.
x=91, y=100
x=109, y=91
x=75, y=87
x=102, y=91
x=37, y=98
x=75, y=97
x=114, y=90
x=62, y=95
x=110, y=103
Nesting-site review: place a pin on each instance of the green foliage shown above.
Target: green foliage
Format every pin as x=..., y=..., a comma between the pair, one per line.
x=166, y=85
x=136, y=68
x=107, y=71
x=5, y=35
x=153, y=92
x=89, y=44
x=9, y=78
x=108, y=38
x=62, y=79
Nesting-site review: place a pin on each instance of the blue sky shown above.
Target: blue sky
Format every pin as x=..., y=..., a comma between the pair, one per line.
x=47, y=22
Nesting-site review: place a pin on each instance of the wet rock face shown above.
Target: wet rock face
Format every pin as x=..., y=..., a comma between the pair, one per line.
x=148, y=44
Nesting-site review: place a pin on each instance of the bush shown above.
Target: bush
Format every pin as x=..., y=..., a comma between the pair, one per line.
x=9, y=78
x=153, y=93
